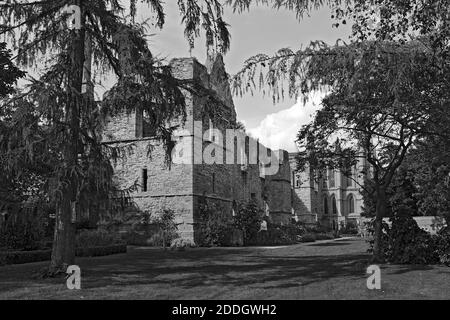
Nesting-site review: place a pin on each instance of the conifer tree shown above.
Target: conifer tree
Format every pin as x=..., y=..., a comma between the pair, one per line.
x=55, y=127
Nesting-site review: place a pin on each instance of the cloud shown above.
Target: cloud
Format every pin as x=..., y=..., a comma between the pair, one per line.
x=279, y=130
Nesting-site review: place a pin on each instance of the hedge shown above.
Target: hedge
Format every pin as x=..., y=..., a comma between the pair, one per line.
x=21, y=257
x=101, y=251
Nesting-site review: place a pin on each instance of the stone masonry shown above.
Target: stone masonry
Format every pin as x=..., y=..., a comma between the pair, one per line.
x=183, y=186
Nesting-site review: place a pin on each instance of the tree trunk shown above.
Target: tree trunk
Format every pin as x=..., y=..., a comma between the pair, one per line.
x=63, y=252
x=381, y=205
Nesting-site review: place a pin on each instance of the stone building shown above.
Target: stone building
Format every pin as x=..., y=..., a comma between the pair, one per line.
x=282, y=194
x=331, y=198
x=185, y=185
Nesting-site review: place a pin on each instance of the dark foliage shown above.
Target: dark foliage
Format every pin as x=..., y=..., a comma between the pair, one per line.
x=248, y=219
x=405, y=243
x=167, y=229
x=25, y=229
x=95, y=238
x=276, y=235
x=215, y=226
x=9, y=73
x=20, y=257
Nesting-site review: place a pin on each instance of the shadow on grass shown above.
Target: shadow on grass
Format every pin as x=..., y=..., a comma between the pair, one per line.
x=284, y=268
x=401, y=269
x=229, y=270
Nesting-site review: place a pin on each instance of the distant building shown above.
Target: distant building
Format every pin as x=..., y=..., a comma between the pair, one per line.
x=331, y=198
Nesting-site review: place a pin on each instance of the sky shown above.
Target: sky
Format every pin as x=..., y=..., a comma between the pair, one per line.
x=260, y=30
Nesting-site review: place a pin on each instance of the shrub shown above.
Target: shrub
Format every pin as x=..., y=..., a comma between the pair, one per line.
x=167, y=229
x=24, y=230
x=248, y=219
x=442, y=241
x=134, y=238
x=20, y=257
x=276, y=235
x=215, y=227
x=350, y=228
x=95, y=238
x=294, y=230
x=101, y=251
x=315, y=228
x=157, y=231
x=160, y=239
x=325, y=236
x=405, y=243
x=308, y=237
x=181, y=244
x=299, y=227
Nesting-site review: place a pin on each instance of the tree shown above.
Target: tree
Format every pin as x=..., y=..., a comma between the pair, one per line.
x=401, y=194
x=9, y=73
x=421, y=185
x=429, y=164
x=10, y=191
x=374, y=19
x=55, y=129
x=240, y=126
x=387, y=91
x=383, y=96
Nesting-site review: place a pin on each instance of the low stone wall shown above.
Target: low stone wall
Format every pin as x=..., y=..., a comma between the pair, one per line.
x=430, y=224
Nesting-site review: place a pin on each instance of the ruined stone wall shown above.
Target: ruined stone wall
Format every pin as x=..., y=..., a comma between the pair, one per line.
x=306, y=199
x=279, y=190
x=222, y=183
x=167, y=187
x=183, y=186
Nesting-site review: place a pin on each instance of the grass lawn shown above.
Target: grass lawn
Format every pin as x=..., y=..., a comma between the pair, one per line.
x=325, y=270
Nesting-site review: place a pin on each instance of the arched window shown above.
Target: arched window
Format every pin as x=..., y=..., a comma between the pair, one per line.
x=325, y=204
x=351, y=204
x=334, y=205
